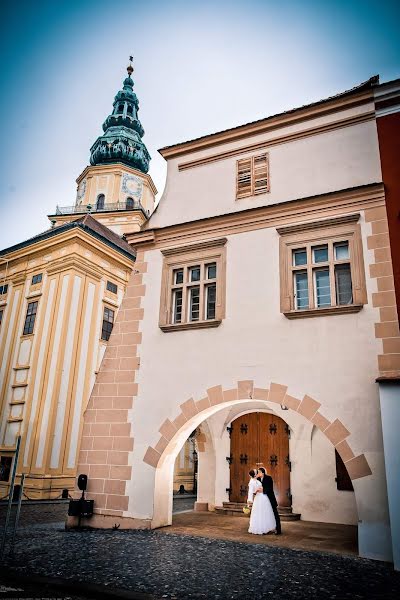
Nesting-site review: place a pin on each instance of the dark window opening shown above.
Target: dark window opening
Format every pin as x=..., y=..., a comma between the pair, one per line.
x=108, y=323
x=37, y=278
x=30, y=318
x=343, y=481
x=112, y=287
x=100, y=202
x=3, y=289
x=129, y=203
x=129, y=110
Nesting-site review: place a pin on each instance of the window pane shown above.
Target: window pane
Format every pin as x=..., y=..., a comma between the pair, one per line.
x=299, y=257
x=301, y=289
x=341, y=250
x=320, y=253
x=1, y=316
x=108, y=322
x=112, y=287
x=211, y=297
x=37, y=278
x=344, y=292
x=178, y=276
x=194, y=273
x=3, y=289
x=177, y=306
x=211, y=271
x=195, y=303
x=322, y=287
x=30, y=318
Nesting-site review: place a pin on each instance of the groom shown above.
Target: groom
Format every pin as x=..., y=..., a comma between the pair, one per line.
x=268, y=489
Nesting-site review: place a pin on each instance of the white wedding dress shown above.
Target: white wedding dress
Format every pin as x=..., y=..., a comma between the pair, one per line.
x=262, y=519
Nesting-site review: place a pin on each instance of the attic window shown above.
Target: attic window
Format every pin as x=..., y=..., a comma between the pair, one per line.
x=252, y=176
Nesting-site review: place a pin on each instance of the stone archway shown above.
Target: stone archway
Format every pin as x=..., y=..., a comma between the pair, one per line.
x=192, y=413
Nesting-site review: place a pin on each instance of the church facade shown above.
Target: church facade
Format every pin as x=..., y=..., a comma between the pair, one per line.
x=261, y=315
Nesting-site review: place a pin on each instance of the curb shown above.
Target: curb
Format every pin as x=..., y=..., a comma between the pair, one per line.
x=91, y=590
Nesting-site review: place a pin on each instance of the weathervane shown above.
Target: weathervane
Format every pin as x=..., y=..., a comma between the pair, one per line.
x=130, y=68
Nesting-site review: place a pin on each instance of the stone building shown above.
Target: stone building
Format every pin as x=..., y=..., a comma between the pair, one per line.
x=259, y=319
x=261, y=312
x=59, y=296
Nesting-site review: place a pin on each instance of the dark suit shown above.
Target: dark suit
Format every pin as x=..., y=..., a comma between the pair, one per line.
x=268, y=489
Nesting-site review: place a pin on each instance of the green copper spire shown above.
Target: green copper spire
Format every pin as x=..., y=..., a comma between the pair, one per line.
x=123, y=132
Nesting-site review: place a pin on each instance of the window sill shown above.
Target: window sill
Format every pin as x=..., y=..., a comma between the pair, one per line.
x=323, y=312
x=195, y=325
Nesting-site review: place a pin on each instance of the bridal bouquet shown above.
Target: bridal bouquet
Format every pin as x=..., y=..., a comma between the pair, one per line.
x=247, y=509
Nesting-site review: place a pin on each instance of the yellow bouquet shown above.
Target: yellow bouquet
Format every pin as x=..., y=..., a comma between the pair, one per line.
x=246, y=510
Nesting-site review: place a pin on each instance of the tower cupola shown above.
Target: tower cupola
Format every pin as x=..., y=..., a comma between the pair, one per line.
x=123, y=132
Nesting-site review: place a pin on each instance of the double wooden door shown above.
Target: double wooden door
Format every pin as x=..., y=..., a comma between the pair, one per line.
x=260, y=440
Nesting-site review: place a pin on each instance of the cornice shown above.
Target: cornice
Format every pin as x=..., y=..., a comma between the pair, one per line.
x=282, y=139
x=75, y=262
x=291, y=212
x=195, y=247
x=353, y=218
x=293, y=117
x=68, y=236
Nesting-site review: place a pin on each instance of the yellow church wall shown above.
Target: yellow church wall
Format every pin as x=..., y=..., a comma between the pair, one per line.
x=47, y=376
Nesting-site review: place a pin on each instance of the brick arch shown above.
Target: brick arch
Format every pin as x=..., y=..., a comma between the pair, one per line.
x=335, y=431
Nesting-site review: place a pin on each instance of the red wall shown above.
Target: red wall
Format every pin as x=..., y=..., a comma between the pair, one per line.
x=389, y=144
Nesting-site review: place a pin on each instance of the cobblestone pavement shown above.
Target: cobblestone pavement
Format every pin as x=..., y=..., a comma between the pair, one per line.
x=176, y=566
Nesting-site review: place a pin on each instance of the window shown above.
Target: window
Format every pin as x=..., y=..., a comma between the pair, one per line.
x=129, y=203
x=321, y=268
x=108, y=323
x=100, y=202
x=112, y=287
x=129, y=110
x=252, y=176
x=343, y=481
x=1, y=316
x=30, y=318
x=121, y=108
x=193, y=286
x=37, y=278
x=3, y=289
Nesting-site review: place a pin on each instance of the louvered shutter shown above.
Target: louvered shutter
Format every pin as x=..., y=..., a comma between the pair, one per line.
x=243, y=182
x=260, y=174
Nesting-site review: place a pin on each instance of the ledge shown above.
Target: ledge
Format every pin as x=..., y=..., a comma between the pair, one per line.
x=196, y=325
x=323, y=312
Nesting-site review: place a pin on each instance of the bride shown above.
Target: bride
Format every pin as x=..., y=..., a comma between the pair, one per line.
x=262, y=519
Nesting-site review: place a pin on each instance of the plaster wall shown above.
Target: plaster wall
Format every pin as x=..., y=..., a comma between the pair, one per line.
x=319, y=356
x=311, y=165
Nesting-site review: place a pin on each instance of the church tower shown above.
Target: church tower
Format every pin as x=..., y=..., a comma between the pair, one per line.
x=116, y=189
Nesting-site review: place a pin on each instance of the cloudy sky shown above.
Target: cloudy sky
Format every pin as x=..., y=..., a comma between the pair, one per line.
x=200, y=66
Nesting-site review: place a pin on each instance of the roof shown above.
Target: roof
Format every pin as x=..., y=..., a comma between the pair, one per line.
x=86, y=223
x=364, y=86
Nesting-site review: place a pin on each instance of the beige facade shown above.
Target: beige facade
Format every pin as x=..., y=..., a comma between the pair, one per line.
x=48, y=368
x=118, y=196
x=251, y=345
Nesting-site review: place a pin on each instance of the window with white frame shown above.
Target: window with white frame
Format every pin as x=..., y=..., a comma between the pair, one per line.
x=321, y=267
x=193, y=287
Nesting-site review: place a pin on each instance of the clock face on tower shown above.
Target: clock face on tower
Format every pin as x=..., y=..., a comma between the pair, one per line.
x=133, y=186
x=81, y=189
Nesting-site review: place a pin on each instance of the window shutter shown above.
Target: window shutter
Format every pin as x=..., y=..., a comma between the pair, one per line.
x=260, y=174
x=243, y=182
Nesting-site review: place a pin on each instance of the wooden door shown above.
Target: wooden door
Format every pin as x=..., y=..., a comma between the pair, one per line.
x=260, y=440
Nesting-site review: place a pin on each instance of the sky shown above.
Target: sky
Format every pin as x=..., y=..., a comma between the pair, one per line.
x=200, y=67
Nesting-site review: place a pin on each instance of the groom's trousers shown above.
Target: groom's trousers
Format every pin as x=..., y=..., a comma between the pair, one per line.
x=277, y=519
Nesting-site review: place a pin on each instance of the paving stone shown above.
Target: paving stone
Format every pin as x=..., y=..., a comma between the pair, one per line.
x=185, y=567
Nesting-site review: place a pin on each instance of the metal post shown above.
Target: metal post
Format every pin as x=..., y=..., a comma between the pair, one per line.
x=18, y=511
x=10, y=495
